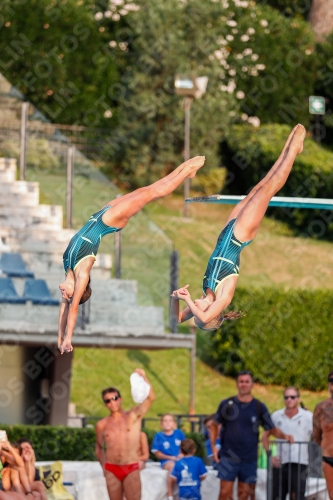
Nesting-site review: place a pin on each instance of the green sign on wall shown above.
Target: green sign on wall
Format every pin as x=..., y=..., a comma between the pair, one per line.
x=317, y=105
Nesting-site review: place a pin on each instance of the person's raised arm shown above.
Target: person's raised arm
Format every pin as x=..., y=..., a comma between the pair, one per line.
x=317, y=431
x=212, y=310
x=176, y=313
x=12, y=455
x=140, y=410
x=80, y=286
x=99, y=446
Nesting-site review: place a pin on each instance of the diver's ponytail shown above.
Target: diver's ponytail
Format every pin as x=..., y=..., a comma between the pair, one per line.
x=234, y=315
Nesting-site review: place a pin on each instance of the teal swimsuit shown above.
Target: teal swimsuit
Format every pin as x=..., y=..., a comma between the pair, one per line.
x=86, y=242
x=225, y=260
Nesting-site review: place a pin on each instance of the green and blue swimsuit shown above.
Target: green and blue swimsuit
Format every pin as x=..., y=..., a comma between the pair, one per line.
x=225, y=260
x=85, y=243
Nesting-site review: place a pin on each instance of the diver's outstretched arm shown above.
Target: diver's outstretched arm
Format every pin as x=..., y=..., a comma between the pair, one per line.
x=62, y=321
x=80, y=286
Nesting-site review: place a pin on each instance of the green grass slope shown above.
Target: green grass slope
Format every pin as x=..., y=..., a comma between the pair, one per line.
x=169, y=372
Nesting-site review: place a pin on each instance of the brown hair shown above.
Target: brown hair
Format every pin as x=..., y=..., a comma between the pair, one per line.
x=215, y=323
x=86, y=294
x=208, y=418
x=293, y=388
x=167, y=415
x=188, y=447
x=110, y=389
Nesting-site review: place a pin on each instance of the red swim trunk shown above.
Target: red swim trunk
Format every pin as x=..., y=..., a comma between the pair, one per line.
x=121, y=471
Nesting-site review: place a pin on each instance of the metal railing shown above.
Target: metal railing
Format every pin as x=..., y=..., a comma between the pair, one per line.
x=294, y=470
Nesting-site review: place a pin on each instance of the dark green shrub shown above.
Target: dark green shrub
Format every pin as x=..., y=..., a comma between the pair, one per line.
x=66, y=443
x=284, y=339
x=250, y=152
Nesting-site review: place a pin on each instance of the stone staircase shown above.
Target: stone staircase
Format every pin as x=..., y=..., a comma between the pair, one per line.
x=37, y=233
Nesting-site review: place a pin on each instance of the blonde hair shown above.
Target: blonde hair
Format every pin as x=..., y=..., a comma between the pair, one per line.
x=215, y=323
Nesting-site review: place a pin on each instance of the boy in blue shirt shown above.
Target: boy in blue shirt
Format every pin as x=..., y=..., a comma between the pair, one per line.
x=189, y=471
x=166, y=446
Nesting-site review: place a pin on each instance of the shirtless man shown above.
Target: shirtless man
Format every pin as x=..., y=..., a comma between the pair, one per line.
x=323, y=434
x=120, y=434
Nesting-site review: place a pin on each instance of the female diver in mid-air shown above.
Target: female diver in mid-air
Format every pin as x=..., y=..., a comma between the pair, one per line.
x=220, y=280
x=80, y=254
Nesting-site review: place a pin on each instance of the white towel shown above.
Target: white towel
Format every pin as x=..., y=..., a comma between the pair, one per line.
x=139, y=388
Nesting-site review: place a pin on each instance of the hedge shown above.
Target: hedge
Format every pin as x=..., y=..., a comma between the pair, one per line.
x=286, y=337
x=67, y=443
x=250, y=152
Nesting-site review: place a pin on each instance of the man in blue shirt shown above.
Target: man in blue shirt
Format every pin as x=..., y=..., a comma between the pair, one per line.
x=166, y=446
x=189, y=471
x=240, y=417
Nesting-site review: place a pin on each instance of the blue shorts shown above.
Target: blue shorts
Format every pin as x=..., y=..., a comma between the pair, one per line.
x=229, y=470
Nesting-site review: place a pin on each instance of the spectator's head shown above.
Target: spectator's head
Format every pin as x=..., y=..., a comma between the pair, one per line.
x=168, y=422
x=330, y=383
x=209, y=420
x=25, y=447
x=244, y=383
x=291, y=397
x=112, y=399
x=188, y=447
x=24, y=443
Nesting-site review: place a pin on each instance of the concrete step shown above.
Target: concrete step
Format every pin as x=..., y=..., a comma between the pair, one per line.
x=28, y=312
x=43, y=262
x=120, y=315
x=43, y=211
x=43, y=217
x=122, y=331
x=33, y=234
x=7, y=175
x=8, y=165
x=112, y=291
x=25, y=199
x=19, y=187
x=50, y=223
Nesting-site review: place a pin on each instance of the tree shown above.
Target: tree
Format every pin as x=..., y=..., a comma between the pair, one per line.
x=290, y=8
x=247, y=51
x=276, y=86
x=55, y=54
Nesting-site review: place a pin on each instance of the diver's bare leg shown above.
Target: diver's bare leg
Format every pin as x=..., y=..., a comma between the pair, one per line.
x=129, y=205
x=234, y=213
x=250, y=217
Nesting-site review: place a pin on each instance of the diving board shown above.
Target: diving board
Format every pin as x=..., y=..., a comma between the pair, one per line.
x=276, y=201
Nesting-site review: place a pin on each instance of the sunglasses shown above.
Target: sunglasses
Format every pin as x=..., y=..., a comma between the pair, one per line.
x=114, y=398
x=330, y=380
x=290, y=397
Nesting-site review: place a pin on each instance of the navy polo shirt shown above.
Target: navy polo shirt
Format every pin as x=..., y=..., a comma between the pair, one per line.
x=240, y=428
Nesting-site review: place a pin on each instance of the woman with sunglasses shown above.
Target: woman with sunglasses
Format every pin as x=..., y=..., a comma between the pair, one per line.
x=221, y=276
x=80, y=254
